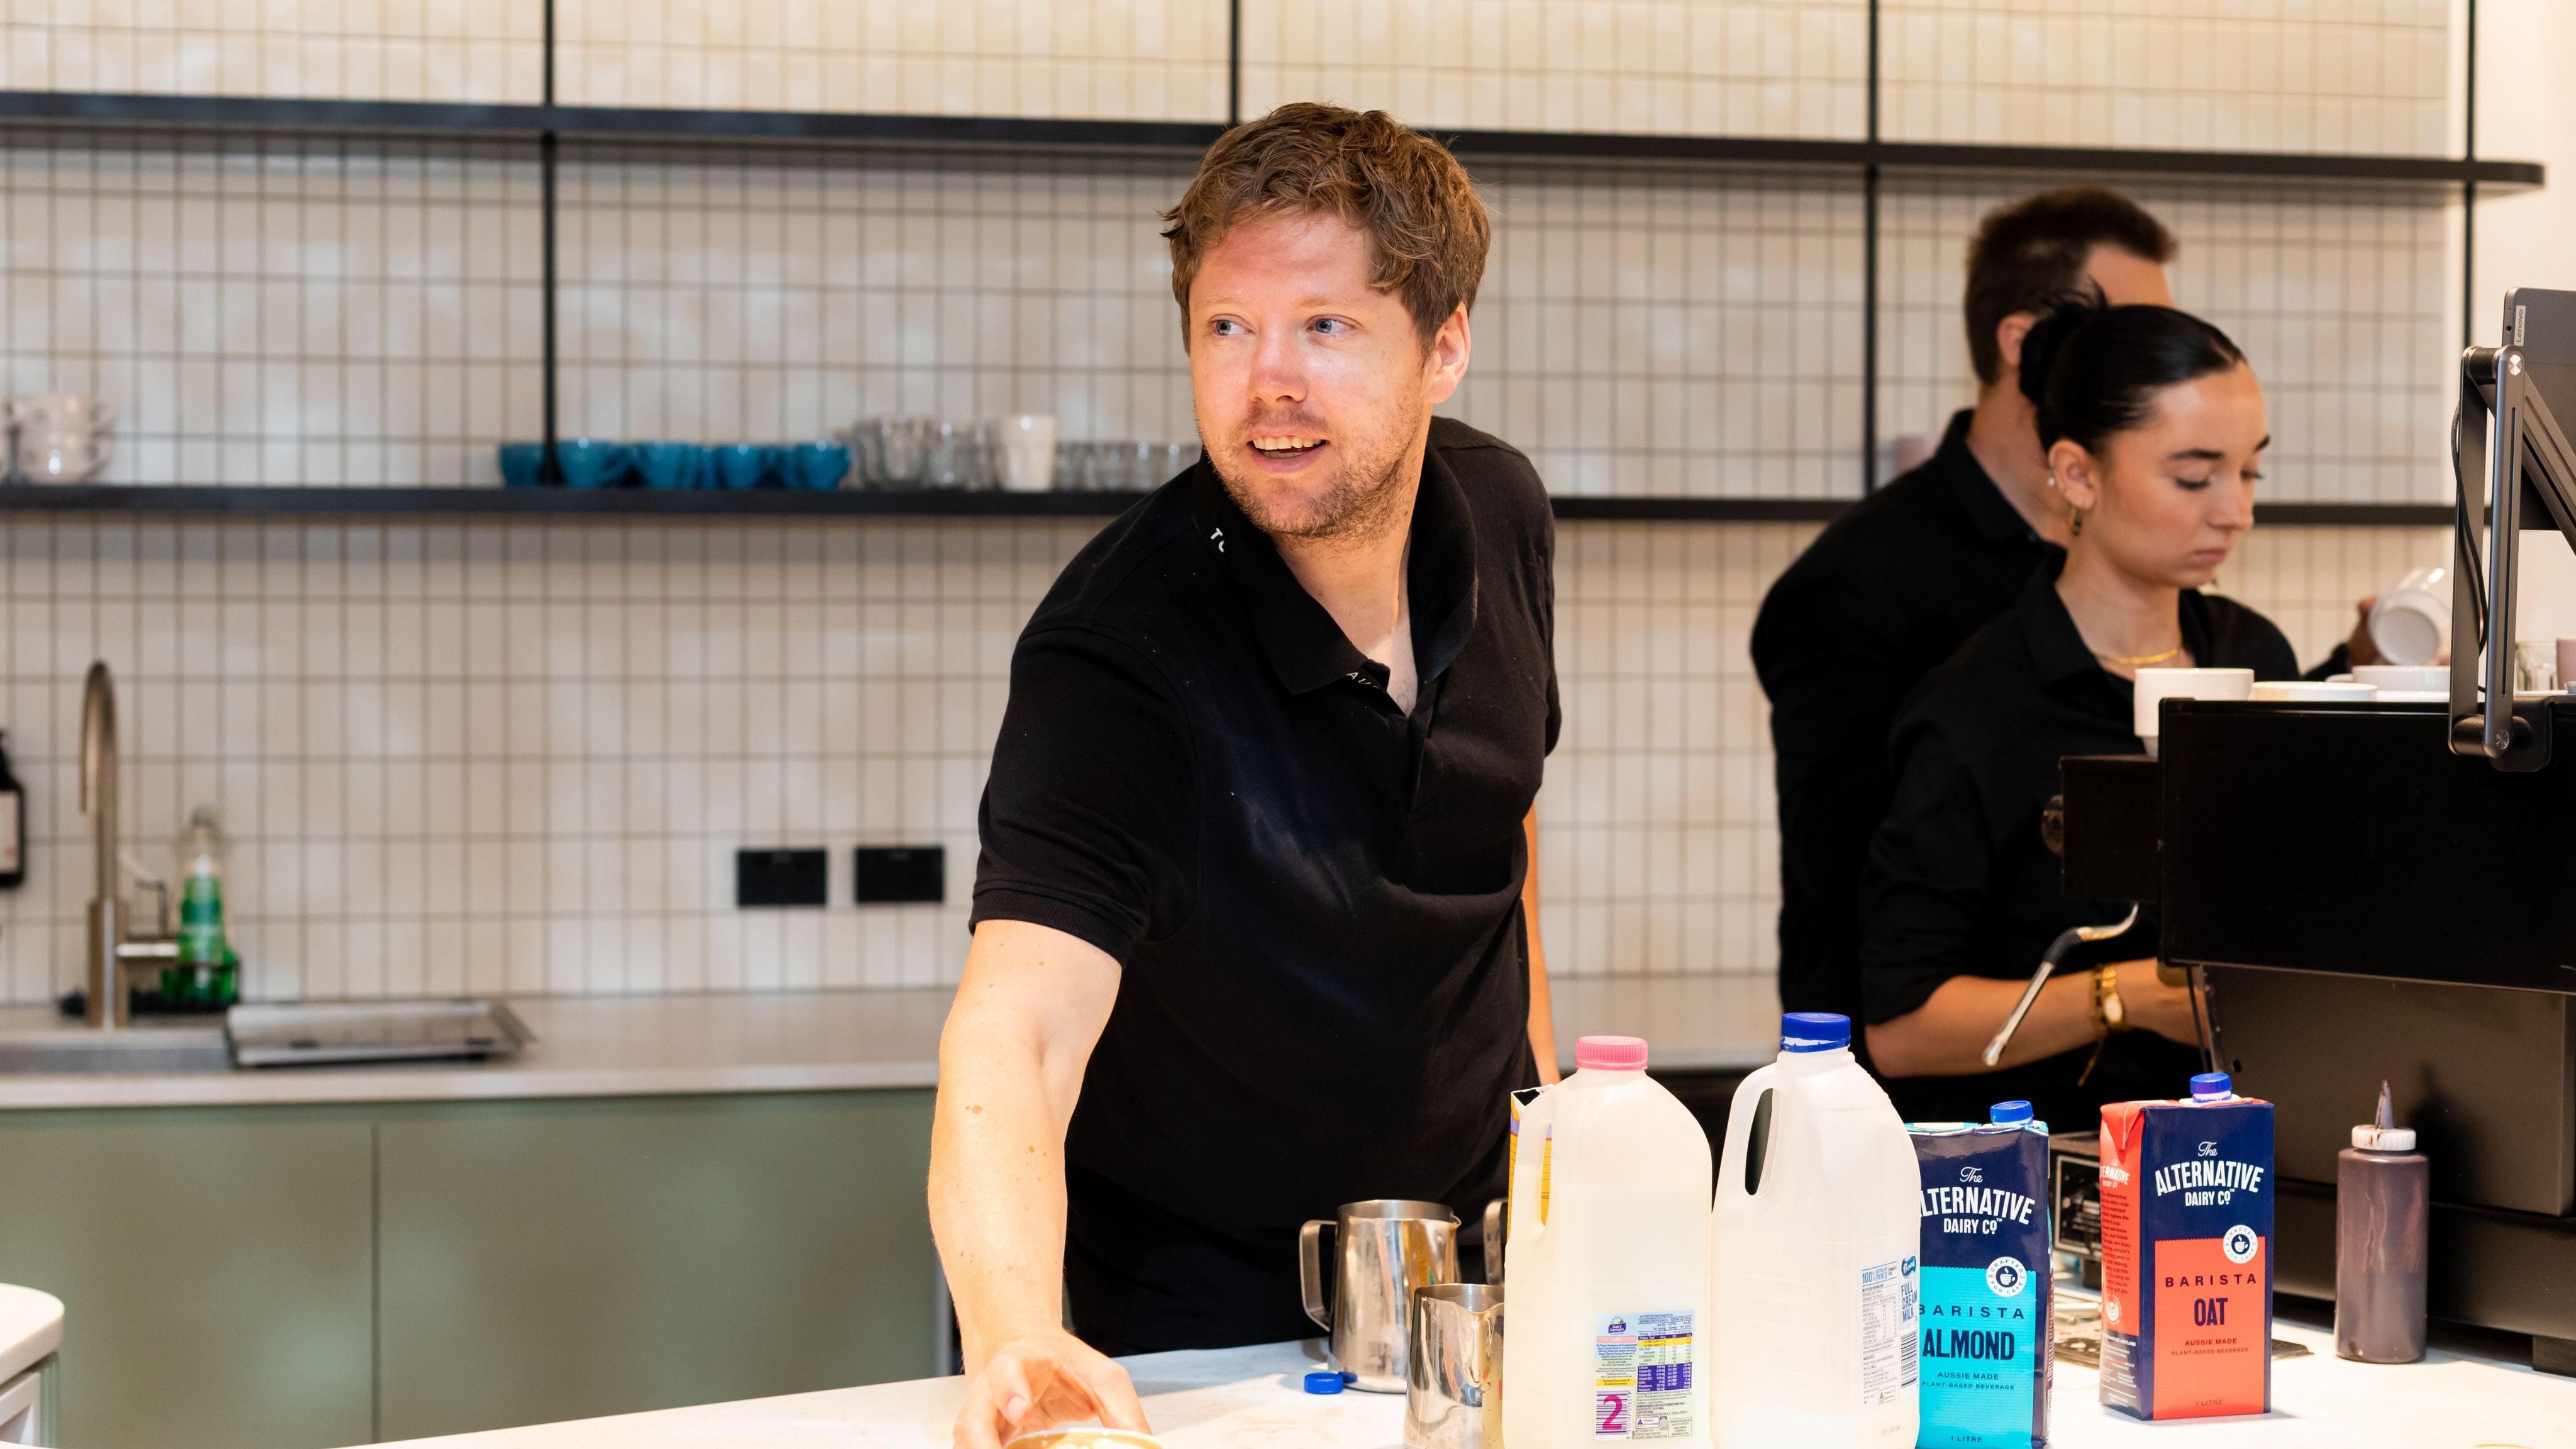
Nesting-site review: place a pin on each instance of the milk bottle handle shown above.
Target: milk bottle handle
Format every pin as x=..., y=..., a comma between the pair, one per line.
x=1310, y=1270
x=1739, y=1128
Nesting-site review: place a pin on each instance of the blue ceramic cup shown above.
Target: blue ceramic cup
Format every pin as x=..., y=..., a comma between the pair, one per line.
x=590, y=463
x=519, y=464
x=817, y=467
x=746, y=465
x=670, y=465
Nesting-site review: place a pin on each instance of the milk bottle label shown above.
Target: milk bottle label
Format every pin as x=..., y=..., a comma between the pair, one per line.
x=1641, y=1375
x=1888, y=1306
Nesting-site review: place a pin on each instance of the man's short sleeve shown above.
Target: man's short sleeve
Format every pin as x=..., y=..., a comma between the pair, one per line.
x=1085, y=824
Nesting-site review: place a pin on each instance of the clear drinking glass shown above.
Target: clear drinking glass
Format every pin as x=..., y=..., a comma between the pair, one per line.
x=903, y=450
x=2535, y=666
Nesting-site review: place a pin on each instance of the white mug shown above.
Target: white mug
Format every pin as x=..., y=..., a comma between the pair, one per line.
x=2411, y=623
x=62, y=457
x=2154, y=686
x=1027, y=452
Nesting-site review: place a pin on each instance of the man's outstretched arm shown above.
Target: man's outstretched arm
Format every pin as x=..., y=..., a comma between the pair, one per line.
x=1028, y=1013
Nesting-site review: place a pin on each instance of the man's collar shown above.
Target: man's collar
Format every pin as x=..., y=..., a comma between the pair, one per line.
x=1993, y=514
x=2056, y=648
x=1307, y=649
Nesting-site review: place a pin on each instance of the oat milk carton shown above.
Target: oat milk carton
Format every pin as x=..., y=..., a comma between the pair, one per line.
x=2187, y=1254
x=1987, y=1347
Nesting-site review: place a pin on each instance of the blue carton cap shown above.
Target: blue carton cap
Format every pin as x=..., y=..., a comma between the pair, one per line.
x=2007, y=1112
x=1814, y=1031
x=1323, y=1381
x=2211, y=1087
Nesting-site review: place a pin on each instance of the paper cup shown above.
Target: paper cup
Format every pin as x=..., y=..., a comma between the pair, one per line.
x=2155, y=686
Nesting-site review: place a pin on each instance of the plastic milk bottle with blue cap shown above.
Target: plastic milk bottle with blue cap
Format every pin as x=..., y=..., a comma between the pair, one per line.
x=1606, y=1261
x=1818, y=1237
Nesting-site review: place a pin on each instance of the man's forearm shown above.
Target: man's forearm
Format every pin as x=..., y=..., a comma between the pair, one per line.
x=1029, y=1010
x=997, y=1200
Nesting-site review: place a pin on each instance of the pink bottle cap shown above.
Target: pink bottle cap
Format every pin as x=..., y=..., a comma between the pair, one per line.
x=1611, y=1053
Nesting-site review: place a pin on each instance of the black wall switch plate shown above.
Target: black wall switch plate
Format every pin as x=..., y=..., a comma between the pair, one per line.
x=893, y=873
x=780, y=878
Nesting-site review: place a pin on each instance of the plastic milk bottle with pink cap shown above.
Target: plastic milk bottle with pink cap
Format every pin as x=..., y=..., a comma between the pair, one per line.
x=1818, y=1232
x=1606, y=1261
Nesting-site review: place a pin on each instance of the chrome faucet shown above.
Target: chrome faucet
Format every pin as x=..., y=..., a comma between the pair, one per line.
x=109, y=949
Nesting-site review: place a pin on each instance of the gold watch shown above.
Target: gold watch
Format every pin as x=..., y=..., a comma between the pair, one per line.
x=2110, y=1014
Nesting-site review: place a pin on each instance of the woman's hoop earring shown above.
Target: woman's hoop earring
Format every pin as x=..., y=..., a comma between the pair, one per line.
x=2075, y=522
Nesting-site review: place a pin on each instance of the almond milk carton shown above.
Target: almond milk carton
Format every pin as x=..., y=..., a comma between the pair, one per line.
x=2187, y=1254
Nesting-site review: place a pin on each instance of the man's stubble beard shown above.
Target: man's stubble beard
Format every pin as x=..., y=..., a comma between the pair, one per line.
x=1362, y=501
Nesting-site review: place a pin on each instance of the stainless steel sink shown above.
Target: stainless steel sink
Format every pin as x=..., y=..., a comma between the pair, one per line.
x=130, y=1051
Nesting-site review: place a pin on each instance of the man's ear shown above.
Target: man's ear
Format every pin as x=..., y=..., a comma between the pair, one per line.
x=2008, y=335
x=1444, y=361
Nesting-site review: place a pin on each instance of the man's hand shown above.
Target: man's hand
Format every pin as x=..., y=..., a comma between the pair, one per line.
x=1042, y=1380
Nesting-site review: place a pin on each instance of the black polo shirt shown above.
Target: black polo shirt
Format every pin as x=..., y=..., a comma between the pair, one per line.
x=1959, y=881
x=1314, y=895
x=1891, y=589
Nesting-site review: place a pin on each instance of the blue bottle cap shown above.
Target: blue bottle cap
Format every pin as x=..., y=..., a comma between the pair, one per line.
x=2211, y=1087
x=1323, y=1381
x=1814, y=1031
x=2007, y=1112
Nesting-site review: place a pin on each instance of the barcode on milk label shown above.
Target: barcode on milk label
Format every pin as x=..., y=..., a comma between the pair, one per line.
x=1641, y=1375
x=1890, y=1353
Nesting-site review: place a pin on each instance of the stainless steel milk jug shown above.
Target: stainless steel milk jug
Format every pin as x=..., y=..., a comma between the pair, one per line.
x=1382, y=1250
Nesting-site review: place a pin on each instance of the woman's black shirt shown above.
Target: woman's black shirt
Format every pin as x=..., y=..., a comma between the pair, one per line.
x=1959, y=881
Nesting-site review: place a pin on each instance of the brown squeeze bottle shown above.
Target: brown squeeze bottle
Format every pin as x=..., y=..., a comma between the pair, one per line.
x=2383, y=1207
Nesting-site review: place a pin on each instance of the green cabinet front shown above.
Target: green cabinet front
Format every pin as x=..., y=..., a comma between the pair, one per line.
x=302, y=1277
x=563, y=1259
x=215, y=1268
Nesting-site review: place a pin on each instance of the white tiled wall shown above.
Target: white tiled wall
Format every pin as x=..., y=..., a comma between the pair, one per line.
x=1146, y=60
x=2370, y=77
x=2341, y=304
x=487, y=757
x=1674, y=67
x=279, y=311
x=356, y=50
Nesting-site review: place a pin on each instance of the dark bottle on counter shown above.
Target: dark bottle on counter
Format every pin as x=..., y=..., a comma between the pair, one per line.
x=13, y=823
x=2383, y=1211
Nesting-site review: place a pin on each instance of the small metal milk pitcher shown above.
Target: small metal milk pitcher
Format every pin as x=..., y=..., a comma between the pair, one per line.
x=1455, y=1400
x=1382, y=1250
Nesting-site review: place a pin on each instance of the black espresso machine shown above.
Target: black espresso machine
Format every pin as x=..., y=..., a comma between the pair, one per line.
x=2388, y=891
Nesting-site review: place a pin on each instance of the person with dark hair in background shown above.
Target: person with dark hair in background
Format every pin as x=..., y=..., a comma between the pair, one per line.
x=1894, y=586
x=2155, y=430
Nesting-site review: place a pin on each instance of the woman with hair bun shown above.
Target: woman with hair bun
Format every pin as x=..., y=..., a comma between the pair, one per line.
x=2155, y=431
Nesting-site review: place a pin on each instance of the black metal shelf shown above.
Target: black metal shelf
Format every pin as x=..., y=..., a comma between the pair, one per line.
x=574, y=503
x=1184, y=138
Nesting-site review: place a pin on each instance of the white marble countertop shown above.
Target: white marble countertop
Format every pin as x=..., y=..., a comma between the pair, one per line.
x=816, y=1041
x=31, y=1326
x=1248, y=1398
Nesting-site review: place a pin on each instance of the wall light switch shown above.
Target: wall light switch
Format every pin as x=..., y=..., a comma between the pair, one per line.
x=780, y=877
x=887, y=874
